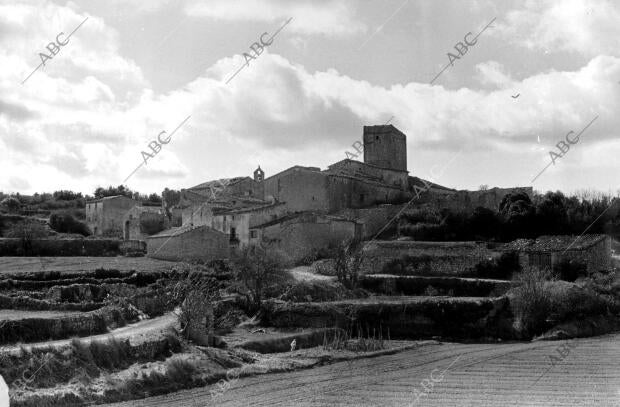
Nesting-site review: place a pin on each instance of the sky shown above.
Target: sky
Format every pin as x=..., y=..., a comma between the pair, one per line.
x=87, y=117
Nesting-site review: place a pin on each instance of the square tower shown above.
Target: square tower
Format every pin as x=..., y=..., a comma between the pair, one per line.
x=385, y=146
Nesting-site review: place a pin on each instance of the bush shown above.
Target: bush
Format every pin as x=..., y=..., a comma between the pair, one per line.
x=316, y=291
x=66, y=223
x=500, y=268
x=531, y=303
x=570, y=270
x=540, y=302
x=347, y=263
x=180, y=371
x=27, y=231
x=151, y=225
x=10, y=204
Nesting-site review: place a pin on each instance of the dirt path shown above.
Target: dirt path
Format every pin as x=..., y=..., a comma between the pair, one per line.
x=517, y=374
x=303, y=273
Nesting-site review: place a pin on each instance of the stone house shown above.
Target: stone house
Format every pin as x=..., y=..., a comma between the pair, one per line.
x=188, y=243
x=298, y=235
x=238, y=224
x=594, y=250
x=104, y=216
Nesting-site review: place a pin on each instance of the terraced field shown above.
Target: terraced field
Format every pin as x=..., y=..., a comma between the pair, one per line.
x=79, y=264
x=517, y=374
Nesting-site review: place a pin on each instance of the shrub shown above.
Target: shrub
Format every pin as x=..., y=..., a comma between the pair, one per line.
x=315, y=291
x=66, y=223
x=196, y=294
x=27, y=231
x=569, y=301
x=180, y=371
x=500, y=268
x=150, y=225
x=347, y=263
x=531, y=303
x=10, y=204
x=570, y=270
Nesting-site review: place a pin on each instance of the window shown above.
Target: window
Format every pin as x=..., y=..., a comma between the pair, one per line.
x=361, y=197
x=253, y=234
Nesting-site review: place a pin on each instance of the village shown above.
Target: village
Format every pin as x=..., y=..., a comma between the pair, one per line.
x=252, y=275
x=309, y=203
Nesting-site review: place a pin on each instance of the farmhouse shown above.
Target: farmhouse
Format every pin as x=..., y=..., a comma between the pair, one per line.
x=104, y=216
x=548, y=251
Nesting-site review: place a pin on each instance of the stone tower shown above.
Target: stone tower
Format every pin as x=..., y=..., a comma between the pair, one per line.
x=259, y=175
x=385, y=146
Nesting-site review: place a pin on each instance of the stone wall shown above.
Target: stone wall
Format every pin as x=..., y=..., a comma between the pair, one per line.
x=132, y=246
x=299, y=188
x=424, y=258
x=300, y=236
x=350, y=192
x=374, y=219
x=405, y=317
x=385, y=146
x=197, y=243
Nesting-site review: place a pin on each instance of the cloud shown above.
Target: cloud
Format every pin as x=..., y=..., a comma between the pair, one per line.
x=493, y=73
x=327, y=17
x=587, y=27
x=15, y=111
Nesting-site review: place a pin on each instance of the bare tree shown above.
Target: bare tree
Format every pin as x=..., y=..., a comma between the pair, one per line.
x=259, y=268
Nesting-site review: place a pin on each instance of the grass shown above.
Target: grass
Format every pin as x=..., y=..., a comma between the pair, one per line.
x=344, y=340
x=81, y=361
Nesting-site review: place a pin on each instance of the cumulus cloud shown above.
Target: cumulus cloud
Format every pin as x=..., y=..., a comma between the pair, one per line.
x=328, y=17
x=587, y=27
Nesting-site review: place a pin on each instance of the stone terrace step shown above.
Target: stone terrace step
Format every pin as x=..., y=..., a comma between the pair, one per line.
x=408, y=317
x=421, y=285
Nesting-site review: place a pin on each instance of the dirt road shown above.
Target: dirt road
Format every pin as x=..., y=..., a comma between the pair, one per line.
x=519, y=374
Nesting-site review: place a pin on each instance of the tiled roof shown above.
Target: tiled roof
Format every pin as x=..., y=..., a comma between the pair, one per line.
x=555, y=243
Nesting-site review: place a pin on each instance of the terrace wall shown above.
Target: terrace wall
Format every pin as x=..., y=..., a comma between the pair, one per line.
x=424, y=258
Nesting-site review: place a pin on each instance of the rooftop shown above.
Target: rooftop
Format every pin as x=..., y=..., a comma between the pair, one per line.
x=180, y=230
